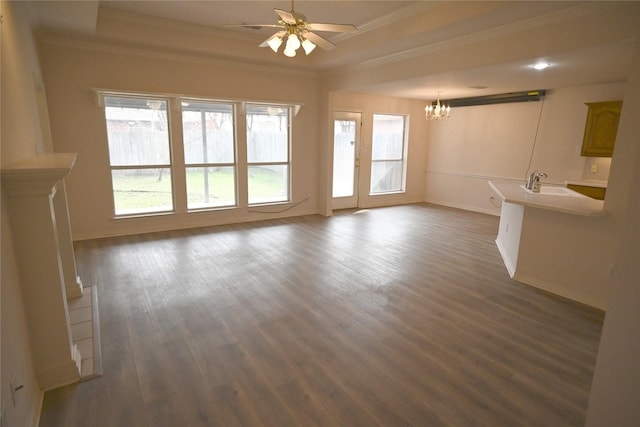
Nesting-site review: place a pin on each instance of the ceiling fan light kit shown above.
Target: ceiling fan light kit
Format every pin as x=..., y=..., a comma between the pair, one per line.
x=298, y=32
x=308, y=46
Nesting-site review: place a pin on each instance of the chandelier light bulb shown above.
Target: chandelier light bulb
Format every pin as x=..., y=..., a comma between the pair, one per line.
x=439, y=112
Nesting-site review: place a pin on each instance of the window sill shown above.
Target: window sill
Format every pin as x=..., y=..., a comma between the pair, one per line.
x=212, y=209
x=389, y=193
x=143, y=215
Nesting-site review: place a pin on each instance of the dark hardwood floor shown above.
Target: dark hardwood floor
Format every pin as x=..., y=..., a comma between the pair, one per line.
x=387, y=317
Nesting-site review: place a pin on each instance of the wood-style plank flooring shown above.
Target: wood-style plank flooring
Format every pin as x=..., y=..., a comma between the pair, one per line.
x=387, y=317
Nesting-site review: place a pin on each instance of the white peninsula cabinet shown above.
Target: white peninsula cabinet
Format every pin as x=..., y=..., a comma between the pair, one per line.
x=557, y=240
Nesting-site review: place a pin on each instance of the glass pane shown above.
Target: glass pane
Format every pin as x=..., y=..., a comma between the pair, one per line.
x=138, y=191
x=211, y=187
x=137, y=131
x=344, y=157
x=268, y=184
x=386, y=176
x=267, y=134
x=388, y=137
x=207, y=131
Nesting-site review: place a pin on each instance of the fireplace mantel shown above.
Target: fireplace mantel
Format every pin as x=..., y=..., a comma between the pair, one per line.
x=37, y=203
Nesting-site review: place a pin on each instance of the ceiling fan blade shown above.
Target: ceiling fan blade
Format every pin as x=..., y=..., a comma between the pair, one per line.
x=323, y=43
x=254, y=26
x=336, y=28
x=286, y=16
x=266, y=42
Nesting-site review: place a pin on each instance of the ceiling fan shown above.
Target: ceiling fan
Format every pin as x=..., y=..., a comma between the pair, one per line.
x=298, y=32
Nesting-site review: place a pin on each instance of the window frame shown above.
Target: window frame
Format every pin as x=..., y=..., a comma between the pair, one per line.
x=402, y=159
x=234, y=164
x=249, y=164
x=169, y=166
x=177, y=166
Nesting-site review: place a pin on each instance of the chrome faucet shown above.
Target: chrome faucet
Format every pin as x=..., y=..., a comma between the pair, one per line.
x=533, y=182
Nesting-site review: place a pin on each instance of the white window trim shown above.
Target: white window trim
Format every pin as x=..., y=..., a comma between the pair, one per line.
x=405, y=151
x=174, y=102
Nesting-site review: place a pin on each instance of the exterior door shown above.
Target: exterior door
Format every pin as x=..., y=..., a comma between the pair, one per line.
x=346, y=160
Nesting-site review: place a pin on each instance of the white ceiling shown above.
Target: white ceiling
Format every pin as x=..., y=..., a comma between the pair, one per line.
x=450, y=47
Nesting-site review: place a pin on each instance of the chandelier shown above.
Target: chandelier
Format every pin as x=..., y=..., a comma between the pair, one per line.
x=437, y=112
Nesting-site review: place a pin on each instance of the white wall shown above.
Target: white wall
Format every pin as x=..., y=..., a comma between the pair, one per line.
x=73, y=68
x=24, y=133
x=507, y=141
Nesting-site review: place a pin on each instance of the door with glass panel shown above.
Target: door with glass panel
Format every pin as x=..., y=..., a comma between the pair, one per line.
x=346, y=159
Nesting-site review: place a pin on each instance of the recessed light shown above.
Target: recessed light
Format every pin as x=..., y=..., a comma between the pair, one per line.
x=541, y=65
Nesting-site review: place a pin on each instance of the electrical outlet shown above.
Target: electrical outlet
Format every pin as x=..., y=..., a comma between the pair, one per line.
x=594, y=167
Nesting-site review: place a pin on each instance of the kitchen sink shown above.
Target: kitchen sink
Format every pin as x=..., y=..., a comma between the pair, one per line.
x=549, y=190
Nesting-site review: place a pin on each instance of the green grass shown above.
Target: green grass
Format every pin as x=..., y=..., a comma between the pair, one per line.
x=137, y=193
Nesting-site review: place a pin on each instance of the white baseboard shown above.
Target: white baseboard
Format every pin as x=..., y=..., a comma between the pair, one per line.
x=143, y=225
x=464, y=207
x=569, y=293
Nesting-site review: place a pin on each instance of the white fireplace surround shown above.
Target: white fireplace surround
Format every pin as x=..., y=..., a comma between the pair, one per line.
x=37, y=203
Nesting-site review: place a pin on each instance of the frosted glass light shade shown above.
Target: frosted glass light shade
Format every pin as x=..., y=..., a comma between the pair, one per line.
x=275, y=43
x=308, y=46
x=293, y=42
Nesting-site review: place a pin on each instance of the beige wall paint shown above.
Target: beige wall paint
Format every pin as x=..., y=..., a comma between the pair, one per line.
x=72, y=69
x=369, y=105
x=616, y=382
x=22, y=136
x=76, y=130
x=507, y=141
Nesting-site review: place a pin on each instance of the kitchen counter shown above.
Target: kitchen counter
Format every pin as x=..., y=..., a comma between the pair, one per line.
x=576, y=204
x=589, y=183
x=558, y=243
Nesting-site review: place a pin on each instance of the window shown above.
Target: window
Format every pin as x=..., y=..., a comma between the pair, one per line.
x=388, y=153
x=139, y=154
x=148, y=179
x=209, y=154
x=267, y=153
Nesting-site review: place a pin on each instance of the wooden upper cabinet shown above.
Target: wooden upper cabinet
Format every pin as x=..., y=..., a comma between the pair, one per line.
x=601, y=128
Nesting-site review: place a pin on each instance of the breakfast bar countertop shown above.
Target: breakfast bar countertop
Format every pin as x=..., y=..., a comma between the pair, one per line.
x=575, y=204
